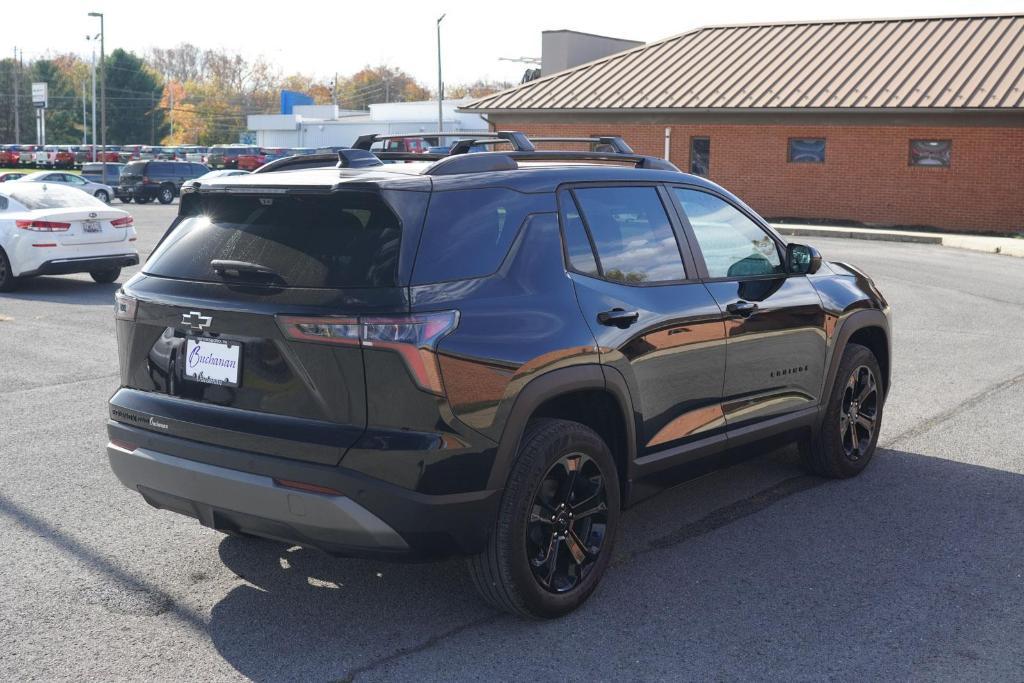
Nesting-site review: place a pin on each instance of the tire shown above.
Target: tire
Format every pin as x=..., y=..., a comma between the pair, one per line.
x=105, y=277
x=126, y=200
x=166, y=195
x=512, y=573
x=8, y=283
x=102, y=196
x=843, y=447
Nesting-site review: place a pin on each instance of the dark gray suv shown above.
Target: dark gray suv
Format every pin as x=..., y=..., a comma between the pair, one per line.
x=144, y=181
x=485, y=354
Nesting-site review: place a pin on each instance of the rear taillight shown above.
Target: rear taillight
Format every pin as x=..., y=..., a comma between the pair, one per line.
x=126, y=222
x=125, y=306
x=414, y=337
x=42, y=226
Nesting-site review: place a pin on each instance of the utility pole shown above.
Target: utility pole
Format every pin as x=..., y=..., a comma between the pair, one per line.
x=152, y=118
x=94, y=104
x=334, y=90
x=440, y=83
x=16, y=67
x=85, y=123
x=103, y=96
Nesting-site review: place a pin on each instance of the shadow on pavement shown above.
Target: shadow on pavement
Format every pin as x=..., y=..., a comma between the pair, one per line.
x=911, y=570
x=64, y=290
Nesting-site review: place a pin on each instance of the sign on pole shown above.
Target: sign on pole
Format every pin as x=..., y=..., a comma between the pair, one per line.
x=40, y=95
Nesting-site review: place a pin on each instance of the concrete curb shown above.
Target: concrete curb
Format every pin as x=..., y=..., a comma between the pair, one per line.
x=992, y=245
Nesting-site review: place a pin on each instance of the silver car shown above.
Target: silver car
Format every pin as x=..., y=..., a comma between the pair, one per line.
x=98, y=190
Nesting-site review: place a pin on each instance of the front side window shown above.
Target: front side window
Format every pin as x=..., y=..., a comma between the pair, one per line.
x=700, y=156
x=931, y=152
x=806, y=151
x=632, y=234
x=732, y=244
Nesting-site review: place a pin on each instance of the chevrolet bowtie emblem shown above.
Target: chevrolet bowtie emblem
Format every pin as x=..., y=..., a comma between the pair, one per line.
x=196, y=320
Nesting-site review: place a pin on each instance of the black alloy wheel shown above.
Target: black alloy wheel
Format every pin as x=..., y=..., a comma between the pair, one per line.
x=859, y=413
x=847, y=436
x=568, y=523
x=555, y=530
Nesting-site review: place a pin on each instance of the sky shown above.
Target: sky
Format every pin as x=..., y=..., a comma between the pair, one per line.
x=320, y=38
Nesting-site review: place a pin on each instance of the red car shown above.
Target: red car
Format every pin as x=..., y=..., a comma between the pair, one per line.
x=9, y=155
x=250, y=162
x=64, y=157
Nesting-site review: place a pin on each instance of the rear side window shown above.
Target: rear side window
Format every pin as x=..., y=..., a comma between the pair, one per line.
x=345, y=239
x=632, y=233
x=468, y=232
x=577, y=244
x=134, y=168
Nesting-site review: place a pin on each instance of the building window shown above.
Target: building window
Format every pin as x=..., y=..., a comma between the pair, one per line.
x=700, y=156
x=807, y=150
x=930, y=152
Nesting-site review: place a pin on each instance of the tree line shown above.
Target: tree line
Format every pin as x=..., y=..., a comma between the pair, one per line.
x=184, y=94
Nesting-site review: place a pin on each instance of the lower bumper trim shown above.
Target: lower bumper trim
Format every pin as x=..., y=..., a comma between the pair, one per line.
x=231, y=500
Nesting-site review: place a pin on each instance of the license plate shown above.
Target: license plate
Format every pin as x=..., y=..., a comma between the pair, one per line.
x=92, y=226
x=213, y=361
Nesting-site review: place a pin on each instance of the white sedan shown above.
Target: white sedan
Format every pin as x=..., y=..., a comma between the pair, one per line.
x=51, y=229
x=98, y=190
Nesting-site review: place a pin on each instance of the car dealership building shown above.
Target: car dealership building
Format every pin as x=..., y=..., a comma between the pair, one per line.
x=912, y=122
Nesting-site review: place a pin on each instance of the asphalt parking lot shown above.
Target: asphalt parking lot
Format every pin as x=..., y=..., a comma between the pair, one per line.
x=915, y=570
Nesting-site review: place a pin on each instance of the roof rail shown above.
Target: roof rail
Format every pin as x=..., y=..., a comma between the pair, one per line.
x=345, y=158
x=507, y=161
x=518, y=140
x=617, y=144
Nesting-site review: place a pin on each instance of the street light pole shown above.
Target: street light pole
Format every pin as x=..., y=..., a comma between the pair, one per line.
x=103, y=97
x=94, y=104
x=440, y=83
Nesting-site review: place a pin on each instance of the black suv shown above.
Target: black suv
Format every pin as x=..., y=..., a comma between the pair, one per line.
x=487, y=354
x=144, y=181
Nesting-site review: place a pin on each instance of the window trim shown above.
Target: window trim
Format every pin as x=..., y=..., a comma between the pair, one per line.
x=824, y=150
x=910, y=152
x=689, y=166
x=698, y=254
x=690, y=272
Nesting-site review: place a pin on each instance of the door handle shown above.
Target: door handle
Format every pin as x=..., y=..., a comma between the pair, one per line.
x=618, y=317
x=744, y=309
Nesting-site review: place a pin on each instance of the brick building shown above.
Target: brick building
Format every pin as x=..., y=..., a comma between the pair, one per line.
x=913, y=122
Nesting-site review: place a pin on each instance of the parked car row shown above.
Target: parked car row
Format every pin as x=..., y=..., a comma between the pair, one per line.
x=74, y=156
x=235, y=156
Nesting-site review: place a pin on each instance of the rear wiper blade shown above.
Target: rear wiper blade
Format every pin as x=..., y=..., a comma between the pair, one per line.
x=238, y=269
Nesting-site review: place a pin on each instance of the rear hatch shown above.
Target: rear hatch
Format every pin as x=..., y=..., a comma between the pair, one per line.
x=132, y=174
x=89, y=226
x=216, y=343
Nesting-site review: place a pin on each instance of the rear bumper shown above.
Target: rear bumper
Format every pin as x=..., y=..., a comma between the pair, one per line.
x=83, y=265
x=234, y=490
x=240, y=501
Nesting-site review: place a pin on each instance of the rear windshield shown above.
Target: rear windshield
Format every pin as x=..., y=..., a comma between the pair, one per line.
x=36, y=195
x=345, y=239
x=134, y=168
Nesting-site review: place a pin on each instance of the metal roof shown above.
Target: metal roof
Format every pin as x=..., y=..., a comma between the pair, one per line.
x=917, y=64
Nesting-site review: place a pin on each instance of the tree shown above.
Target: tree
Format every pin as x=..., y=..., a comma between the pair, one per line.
x=379, y=84
x=478, y=88
x=62, y=125
x=134, y=93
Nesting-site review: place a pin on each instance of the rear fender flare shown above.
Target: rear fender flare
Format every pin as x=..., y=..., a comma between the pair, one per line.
x=551, y=385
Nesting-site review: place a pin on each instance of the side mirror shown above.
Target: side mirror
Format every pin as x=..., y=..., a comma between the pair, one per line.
x=803, y=259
